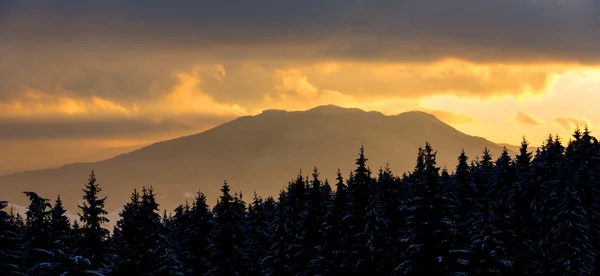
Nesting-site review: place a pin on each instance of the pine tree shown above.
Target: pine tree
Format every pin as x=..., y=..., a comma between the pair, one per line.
x=382, y=254
x=467, y=192
x=310, y=226
x=226, y=251
x=92, y=245
x=197, y=236
x=489, y=248
x=279, y=257
x=430, y=224
x=257, y=234
x=568, y=248
x=524, y=255
x=329, y=254
x=146, y=249
x=359, y=188
x=127, y=236
x=583, y=160
x=60, y=225
x=10, y=239
x=503, y=177
x=38, y=236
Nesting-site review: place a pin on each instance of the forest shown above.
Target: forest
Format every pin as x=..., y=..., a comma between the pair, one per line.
x=536, y=213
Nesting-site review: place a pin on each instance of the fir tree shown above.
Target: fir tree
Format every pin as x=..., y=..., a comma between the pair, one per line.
x=92, y=244
x=430, y=226
x=38, y=236
x=197, y=235
x=226, y=256
x=60, y=225
x=310, y=227
x=359, y=188
x=257, y=234
x=10, y=239
x=568, y=247
x=329, y=254
x=279, y=257
x=488, y=245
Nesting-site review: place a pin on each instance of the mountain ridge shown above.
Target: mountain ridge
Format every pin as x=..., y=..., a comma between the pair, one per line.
x=256, y=153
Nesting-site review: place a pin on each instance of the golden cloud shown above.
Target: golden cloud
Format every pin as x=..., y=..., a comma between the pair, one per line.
x=248, y=87
x=297, y=93
x=571, y=122
x=448, y=76
x=525, y=118
x=187, y=98
x=36, y=103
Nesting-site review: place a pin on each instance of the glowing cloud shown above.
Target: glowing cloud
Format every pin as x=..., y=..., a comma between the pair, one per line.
x=570, y=122
x=38, y=103
x=187, y=98
x=528, y=119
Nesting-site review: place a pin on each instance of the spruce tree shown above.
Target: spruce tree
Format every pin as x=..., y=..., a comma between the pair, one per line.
x=488, y=244
x=310, y=226
x=359, y=188
x=60, y=225
x=430, y=224
x=226, y=249
x=279, y=257
x=92, y=244
x=382, y=255
x=330, y=254
x=10, y=254
x=38, y=242
x=197, y=235
x=257, y=234
x=568, y=249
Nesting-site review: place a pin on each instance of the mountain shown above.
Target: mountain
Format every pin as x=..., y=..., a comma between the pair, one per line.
x=49, y=162
x=259, y=153
x=99, y=155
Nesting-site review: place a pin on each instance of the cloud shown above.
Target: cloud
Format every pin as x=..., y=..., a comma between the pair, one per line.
x=162, y=67
x=447, y=76
x=451, y=117
x=570, y=122
x=187, y=98
x=483, y=31
x=37, y=103
x=528, y=119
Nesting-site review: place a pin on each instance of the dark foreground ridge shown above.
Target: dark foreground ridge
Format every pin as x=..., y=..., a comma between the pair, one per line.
x=531, y=214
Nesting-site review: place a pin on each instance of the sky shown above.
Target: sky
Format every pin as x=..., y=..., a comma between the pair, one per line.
x=77, y=76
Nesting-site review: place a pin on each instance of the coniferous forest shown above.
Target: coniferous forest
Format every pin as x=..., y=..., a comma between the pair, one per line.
x=536, y=213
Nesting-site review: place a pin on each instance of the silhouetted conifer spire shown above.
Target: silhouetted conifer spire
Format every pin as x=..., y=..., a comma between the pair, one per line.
x=93, y=236
x=197, y=237
x=226, y=249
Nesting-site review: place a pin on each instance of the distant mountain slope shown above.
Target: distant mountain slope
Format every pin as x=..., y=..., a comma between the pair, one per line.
x=95, y=156
x=255, y=153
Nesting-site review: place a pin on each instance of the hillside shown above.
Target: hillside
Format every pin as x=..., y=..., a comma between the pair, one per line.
x=254, y=153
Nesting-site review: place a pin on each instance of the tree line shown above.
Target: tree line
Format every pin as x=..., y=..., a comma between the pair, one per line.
x=537, y=213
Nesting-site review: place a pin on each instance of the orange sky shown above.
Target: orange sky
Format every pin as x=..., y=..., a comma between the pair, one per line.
x=71, y=87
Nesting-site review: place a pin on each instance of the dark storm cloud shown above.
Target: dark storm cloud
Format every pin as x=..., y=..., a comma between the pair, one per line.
x=120, y=128
x=478, y=30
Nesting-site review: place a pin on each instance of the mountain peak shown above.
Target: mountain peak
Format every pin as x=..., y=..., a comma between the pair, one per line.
x=273, y=112
x=418, y=114
x=332, y=109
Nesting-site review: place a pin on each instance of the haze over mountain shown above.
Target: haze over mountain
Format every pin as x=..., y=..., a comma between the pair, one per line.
x=53, y=162
x=255, y=153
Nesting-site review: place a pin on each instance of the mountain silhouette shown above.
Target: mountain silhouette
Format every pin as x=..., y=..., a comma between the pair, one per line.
x=259, y=153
